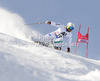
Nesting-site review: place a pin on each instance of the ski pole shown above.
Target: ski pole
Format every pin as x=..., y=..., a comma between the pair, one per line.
x=36, y=23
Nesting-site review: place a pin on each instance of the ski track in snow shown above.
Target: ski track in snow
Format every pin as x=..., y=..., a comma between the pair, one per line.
x=24, y=60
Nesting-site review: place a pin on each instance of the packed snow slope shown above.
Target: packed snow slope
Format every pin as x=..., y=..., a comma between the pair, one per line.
x=23, y=60
x=26, y=61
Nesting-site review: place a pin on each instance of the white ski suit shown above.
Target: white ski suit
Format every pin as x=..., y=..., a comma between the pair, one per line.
x=60, y=37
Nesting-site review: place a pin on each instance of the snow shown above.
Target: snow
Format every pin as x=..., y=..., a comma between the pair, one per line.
x=14, y=25
x=23, y=60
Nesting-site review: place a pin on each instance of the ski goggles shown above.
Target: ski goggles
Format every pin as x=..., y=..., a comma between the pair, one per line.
x=70, y=27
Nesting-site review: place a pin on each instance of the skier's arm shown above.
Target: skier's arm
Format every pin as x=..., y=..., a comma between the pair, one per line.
x=68, y=49
x=54, y=24
x=69, y=44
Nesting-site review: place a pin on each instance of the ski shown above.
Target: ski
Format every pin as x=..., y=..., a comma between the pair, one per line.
x=41, y=42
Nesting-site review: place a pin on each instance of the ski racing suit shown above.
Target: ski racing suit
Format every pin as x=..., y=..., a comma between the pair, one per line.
x=60, y=37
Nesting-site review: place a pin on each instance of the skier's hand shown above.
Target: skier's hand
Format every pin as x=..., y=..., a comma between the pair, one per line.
x=68, y=49
x=48, y=22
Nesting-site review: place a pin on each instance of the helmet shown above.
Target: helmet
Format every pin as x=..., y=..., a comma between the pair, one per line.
x=70, y=26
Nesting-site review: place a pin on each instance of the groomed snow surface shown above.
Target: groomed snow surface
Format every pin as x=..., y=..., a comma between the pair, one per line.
x=24, y=60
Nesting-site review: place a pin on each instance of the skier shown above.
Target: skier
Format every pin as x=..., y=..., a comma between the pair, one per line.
x=61, y=35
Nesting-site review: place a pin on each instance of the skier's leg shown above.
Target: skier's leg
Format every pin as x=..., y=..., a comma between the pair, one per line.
x=49, y=37
x=57, y=43
x=58, y=48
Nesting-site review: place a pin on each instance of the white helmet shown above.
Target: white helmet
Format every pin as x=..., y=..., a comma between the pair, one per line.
x=70, y=26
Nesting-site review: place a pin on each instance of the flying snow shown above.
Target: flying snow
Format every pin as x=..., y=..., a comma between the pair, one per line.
x=13, y=24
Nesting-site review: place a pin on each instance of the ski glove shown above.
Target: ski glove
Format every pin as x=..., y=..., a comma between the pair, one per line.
x=68, y=49
x=48, y=22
